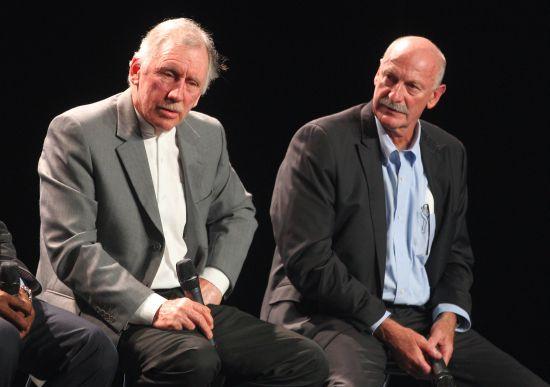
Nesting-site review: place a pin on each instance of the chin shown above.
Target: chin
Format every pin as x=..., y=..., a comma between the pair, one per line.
x=389, y=122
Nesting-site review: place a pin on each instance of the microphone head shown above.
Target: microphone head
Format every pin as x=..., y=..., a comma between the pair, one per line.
x=9, y=277
x=187, y=274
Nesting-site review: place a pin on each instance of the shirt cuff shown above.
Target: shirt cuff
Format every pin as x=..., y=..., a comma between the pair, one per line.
x=462, y=317
x=146, y=312
x=374, y=326
x=217, y=278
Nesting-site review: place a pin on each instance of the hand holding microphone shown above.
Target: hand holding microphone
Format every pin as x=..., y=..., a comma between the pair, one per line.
x=185, y=313
x=15, y=304
x=189, y=281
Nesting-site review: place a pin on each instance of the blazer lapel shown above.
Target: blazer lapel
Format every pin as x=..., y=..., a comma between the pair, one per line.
x=432, y=162
x=191, y=166
x=369, y=155
x=134, y=159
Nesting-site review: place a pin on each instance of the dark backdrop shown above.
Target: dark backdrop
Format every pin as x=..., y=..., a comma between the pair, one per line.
x=291, y=63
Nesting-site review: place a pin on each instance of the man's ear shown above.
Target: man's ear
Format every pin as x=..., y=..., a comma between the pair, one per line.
x=377, y=75
x=133, y=72
x=436, y=95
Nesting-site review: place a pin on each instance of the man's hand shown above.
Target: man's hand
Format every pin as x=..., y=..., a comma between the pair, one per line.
x=183, y=313
x=210, y=293
x=442, y=334
x=18, y=310
x=408, y=348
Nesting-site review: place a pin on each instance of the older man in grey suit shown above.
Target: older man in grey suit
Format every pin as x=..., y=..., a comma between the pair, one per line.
x=132, y=184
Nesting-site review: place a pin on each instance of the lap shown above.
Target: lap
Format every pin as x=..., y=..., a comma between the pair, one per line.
x=476, y=361
x=57, y=337
x=10, y=348
x=360, y=359
x=246, y=348
x=355, y=358
x=249, y=345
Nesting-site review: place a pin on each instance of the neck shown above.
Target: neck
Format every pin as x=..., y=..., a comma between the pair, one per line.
x=402, y=137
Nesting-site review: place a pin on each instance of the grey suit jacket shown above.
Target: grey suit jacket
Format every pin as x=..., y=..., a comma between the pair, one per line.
x=101, y=234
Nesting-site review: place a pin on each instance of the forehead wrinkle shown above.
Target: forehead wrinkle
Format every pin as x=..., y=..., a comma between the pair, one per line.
x=175, y=60
x=412, y=67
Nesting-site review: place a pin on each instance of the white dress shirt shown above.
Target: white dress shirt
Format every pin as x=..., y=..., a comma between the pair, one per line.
x=164, y=163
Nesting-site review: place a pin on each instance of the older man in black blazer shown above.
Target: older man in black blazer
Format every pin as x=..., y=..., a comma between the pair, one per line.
x=373, y=258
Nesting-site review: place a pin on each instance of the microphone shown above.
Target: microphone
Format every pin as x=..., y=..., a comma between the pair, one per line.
x=9, y=277
x=441, y=375
x=189, y=281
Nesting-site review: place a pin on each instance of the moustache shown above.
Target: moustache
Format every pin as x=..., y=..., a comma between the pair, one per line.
x=401, y=108
x=174, y=107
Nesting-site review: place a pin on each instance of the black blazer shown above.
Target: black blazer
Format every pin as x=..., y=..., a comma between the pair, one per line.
x=329, y=221
x=7, y=253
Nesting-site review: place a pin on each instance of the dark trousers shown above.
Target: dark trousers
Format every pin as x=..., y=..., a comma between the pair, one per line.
x=359, y=359
x=247, y=351
x=61, y=348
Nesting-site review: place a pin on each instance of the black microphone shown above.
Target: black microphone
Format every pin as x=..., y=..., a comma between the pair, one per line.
x=9, y=277
x=441, y=375
x=189, y=281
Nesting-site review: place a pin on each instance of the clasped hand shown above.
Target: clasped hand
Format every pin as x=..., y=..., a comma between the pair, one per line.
x=18, y=310
x=411, y=350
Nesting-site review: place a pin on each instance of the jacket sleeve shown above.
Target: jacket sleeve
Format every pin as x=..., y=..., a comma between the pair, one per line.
x=7, y=252
x=7, y=249
x=68, y=212
x=456, y=281
x=303, y=216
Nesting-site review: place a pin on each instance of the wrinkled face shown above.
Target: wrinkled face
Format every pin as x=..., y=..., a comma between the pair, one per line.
x=169, y=85
x=404, y=86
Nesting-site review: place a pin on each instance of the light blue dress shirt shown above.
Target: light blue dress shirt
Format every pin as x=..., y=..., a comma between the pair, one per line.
x=410, y=219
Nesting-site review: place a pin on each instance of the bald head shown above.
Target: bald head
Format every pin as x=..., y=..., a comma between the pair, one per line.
x=407, y=82
x=422, y=51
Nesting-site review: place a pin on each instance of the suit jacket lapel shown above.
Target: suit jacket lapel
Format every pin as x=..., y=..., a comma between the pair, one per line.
x=369, y=154
x=191, y=166
x=432, y=162
x=134, y=159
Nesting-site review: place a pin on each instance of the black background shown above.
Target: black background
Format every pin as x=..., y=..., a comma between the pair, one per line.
x=290, y=63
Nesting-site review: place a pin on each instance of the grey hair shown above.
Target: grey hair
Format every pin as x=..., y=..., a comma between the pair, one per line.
x=181, y=31
x=442, y=60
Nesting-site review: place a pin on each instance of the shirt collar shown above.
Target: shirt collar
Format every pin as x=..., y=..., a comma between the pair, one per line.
x=148, y=131
x=387, y=145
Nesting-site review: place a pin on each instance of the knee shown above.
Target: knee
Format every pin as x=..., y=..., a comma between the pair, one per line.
x=204, y=364
x=102, y=354
x=315, y=360
x=197, y=366
x=309, y=363
x=11, y=344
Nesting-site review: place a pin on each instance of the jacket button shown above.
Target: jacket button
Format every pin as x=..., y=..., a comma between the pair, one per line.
x=156, y=246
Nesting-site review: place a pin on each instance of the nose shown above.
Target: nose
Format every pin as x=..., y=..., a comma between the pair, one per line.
x=177, y=91
x=396, y=93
